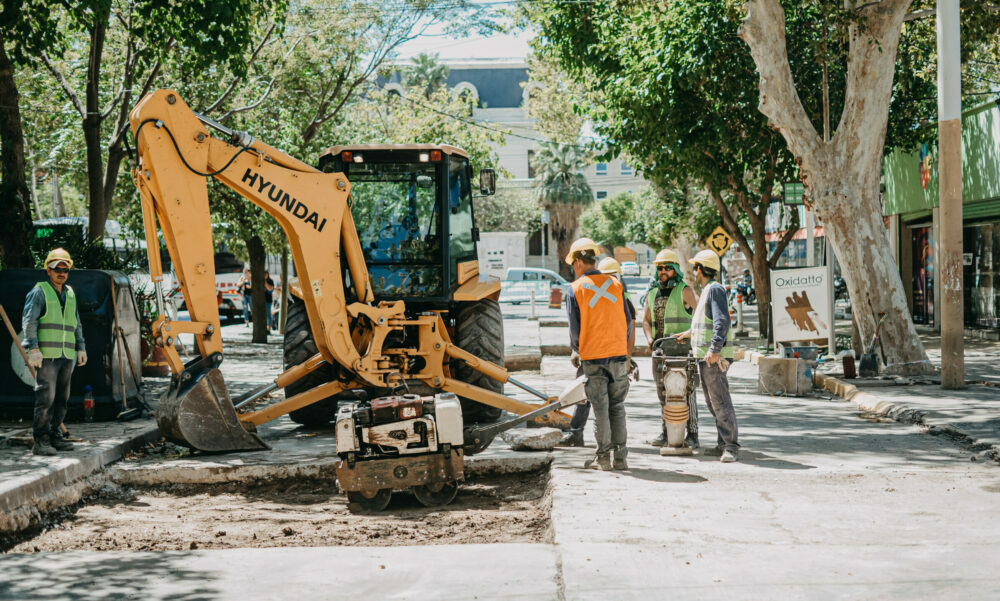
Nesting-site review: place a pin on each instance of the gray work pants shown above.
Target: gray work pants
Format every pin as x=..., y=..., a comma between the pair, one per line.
x=715, y=385
x=51, y=394
x=606, y=388
x=692, y=424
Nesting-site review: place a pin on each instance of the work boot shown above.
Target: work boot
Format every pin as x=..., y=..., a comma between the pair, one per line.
x=660, y=440
x=713, y=452
x=599, y=462
x=42, y=446
x=619, y=463
x=729, y=457
x=692, y=441
x=571, y=439
x=60, y=444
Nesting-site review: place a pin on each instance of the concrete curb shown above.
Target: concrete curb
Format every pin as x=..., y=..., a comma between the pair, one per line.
x=23, y=500
x=901, y=413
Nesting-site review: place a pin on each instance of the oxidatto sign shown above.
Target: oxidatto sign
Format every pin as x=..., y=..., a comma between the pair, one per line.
x=800, y=305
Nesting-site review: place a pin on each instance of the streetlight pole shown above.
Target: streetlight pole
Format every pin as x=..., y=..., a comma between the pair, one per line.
x=950, y=193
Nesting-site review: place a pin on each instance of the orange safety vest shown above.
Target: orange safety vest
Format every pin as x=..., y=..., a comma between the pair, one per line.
x=602, y=317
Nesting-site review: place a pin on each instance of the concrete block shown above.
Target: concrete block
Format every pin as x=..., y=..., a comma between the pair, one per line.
x=522, y=358
x=532, y=439
x=790, y=377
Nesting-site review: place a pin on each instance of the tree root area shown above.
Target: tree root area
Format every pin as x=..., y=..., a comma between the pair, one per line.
x=301, y=513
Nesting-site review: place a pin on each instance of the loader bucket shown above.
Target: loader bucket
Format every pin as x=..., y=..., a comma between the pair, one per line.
x=196, y=411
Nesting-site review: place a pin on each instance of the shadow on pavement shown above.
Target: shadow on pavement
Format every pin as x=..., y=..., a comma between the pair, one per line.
x=101, y=576
x=666, y=476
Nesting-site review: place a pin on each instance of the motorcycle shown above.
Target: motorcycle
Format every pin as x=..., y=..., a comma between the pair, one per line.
x=839, y=288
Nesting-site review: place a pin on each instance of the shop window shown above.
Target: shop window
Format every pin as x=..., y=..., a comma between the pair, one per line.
x=601, y=194
x=601, y=169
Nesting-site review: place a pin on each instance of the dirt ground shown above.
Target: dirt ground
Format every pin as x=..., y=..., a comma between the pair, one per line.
x=500, y=509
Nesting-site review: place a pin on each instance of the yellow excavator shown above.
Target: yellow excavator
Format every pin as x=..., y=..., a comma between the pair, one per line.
x=355, y=335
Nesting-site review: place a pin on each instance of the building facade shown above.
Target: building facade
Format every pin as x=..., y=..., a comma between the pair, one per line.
x=502, y=89
x=911, y=202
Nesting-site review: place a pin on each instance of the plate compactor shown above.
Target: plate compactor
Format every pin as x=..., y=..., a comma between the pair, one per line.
x=413, y=442
x=676, y=374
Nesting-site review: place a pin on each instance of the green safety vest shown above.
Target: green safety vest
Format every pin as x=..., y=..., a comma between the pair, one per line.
x=702, y=330
x=675, y=316
x=57, y=326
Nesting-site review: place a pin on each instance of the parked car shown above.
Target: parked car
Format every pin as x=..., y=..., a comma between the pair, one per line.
x=518, y=282
x=630, y=268
x=638, y=288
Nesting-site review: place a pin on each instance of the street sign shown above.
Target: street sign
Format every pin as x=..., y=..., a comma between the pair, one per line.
x=545, y=217
x=792, y=193
x=719, y=241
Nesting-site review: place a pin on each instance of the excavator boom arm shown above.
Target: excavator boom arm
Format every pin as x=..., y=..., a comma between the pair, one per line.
x=176, y=155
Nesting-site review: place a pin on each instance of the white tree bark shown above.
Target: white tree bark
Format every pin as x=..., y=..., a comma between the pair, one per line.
x=841, y=177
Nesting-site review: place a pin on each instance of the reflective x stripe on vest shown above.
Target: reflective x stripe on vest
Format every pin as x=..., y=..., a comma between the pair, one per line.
x=57, y=326
x=602, y=317
x=675, y=316
x=702, y=330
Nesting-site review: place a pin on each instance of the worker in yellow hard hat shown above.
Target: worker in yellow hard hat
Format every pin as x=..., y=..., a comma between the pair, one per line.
x=669, y=305
x=601, y=333
x=53, y=337
x=711, y=337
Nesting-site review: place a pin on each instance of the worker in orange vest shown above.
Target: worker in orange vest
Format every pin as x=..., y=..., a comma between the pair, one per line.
x=601, y=335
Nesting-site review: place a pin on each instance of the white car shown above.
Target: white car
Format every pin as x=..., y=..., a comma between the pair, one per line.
x=630, y=268
x=518, y=282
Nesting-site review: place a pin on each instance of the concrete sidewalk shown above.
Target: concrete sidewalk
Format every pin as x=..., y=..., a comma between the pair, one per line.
x=971, y=416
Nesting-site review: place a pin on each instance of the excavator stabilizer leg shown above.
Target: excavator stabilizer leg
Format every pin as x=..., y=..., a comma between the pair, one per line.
x=196, y=411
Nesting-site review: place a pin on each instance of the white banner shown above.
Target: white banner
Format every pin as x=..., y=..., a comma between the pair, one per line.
x=800, y=305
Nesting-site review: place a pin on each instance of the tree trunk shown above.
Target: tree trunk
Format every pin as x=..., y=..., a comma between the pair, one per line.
x=15, y=207
x=58, y=206
x=564, y=221
x=258, y=304
x=92, y=135
x=841, y=177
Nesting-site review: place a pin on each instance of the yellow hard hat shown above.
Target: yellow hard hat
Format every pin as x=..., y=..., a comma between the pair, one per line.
x=57, y=255
x=609, y=265
x=666, y=256
x=707, y=258
x=581, y=245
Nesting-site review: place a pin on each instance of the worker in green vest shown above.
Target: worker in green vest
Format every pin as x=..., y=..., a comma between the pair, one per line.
x=669, y=305
x=53, y=337
x=711, y=337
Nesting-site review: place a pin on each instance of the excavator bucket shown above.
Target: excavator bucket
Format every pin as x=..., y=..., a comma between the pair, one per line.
x=197, y=412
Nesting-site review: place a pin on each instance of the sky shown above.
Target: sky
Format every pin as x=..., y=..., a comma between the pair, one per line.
x=448, y=47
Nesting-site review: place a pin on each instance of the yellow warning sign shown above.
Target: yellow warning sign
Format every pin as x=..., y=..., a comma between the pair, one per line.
x=719, y=241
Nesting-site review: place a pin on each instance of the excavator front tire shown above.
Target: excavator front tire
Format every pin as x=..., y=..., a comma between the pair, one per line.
x=479, y=330
x=299, y=346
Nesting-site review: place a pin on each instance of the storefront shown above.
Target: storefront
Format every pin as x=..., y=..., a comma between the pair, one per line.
x=911, y=197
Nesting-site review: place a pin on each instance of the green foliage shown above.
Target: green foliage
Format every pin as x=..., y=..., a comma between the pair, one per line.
x=509, y=210
x=657, y=218
x=556, y=102
x=87, y=254
x=558, y=177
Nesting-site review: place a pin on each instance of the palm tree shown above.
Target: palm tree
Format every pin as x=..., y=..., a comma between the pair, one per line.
x=426, y=73
x=561, y=189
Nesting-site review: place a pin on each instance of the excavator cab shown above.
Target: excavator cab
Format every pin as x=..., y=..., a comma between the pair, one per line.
x=412, y=207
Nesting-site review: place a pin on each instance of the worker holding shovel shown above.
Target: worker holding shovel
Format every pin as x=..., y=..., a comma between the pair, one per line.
x=53, y=337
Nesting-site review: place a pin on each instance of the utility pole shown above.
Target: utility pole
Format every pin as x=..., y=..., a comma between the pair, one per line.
x=950, y=193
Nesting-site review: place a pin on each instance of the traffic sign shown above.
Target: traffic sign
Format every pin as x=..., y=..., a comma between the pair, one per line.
x=719, y=241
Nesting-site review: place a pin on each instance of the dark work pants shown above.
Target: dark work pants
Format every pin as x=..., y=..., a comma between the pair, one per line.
x=715, y=385
x=607, y=386
x=51, y=395
x=581, y=411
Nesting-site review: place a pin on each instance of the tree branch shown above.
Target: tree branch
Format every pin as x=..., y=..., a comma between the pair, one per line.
x=236, y=80
x=729, y=223
x=68, y=89
x=786, y=238
x=763, y=30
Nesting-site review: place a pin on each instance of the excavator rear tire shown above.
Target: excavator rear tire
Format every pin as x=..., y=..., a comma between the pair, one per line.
x=479, y=330
x=299, y=346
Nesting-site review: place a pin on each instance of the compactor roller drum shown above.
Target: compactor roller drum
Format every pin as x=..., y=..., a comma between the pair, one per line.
x=479, y=330
x=299, y=346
